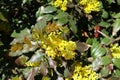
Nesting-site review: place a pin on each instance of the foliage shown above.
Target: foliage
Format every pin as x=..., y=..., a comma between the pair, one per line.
x=60, y=40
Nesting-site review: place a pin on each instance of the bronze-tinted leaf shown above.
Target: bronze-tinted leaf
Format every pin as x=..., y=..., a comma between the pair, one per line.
x=51, y=27
x=20, y=61
x=81, y=46
x=27, y=41
x=43, y=69
x=32, y=74
x=52, y=63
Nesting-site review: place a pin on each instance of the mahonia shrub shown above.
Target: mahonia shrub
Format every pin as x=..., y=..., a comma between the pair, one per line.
x=70, y=40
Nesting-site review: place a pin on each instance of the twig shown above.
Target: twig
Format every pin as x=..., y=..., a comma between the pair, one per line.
x=104, y=34
x=112, y=41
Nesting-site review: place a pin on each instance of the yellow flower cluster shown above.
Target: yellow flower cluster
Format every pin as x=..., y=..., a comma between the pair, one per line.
x=60, y=3
x=45, y=78
x=55, y=46
x=84, y=73
x=33, y=64
x=115, y=50
x=90, y=5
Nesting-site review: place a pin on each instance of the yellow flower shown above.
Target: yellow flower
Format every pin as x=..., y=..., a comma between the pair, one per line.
x=57, y=47
x=33, y=64
x=90, y=5
x=45, y=78
x=16, y=78
x=84, y=73
x=60, y=3
x=115, y=50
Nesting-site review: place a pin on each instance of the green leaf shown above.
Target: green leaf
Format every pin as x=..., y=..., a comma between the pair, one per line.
x=106, y=60
x=118, y=2
x=26, y=1
x=117, y=72
x=104, y=72
x=67, y=73
x=104, y=24
x=105, y=41
x=116, y=15
x=97, y=51
x=38, y=56
x=3, y=18
x=1, y=43
x=41, y=24
x=110, y=1
x=61, y=15
x=116, y=26
x=17, y=53
x=48, y=9
x=62, y=21
x=97, y=64
x=89, y=41
x=116, y=62
x=105, y=14
x=22, y=34
x=72, y=25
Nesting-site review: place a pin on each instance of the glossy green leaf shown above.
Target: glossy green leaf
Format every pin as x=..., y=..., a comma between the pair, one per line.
x=105, y=14
x=116, y=15
x=72, y=25
x=38, y=13
x=47, y=17
x=104, y=24
x=97, y=51
x=104, y=72
x=106, y=60
x=89, y=41
x=96, y=64
x=61, y=15
x=116, y=26
x=116, y=62
x=26, y=1
x=48, y=9
x=105, y=41
x=23, y=33
x=41, y=24
x=62, y=21
x=38, y=56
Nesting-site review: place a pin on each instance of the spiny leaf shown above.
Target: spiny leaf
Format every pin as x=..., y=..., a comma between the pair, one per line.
x=20, y=36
